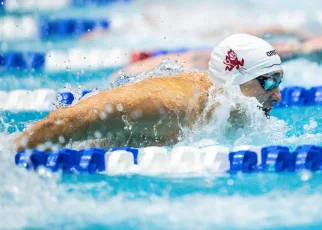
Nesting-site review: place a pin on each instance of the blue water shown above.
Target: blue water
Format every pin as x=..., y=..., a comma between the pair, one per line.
x=183, y=201
x=43, y=200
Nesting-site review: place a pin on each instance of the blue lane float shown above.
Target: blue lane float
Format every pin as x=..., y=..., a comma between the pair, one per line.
x=299, y=96
x=31, y=159
x=244, y=161
x=80, y=3
x=94, y=160
x=276, y=159
x=2, y=2
x=64, y=28
x=65, y=159
x=308, y=157
x=67, y=98
x=22, y=61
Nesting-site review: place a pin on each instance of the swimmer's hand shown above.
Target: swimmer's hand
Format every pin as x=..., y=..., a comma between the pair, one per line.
x=155, y=108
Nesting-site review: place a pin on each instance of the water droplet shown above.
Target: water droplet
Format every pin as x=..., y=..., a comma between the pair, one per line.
x=230, y=182
x=109, y=108
x=103, y=115
x=61, y=139
x=119, y=107
x=58, y=122
x=306, y=175
x=313, y=124
x=97, y=134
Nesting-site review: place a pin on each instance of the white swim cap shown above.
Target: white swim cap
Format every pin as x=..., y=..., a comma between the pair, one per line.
x=241, y=58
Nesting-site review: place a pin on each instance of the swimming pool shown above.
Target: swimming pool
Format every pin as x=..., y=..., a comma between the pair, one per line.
x=182, y=201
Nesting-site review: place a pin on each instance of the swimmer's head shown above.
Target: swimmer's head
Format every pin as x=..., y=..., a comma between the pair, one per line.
x=250, y=62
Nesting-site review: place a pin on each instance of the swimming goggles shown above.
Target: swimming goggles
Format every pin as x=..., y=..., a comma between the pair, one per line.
x=270, y=81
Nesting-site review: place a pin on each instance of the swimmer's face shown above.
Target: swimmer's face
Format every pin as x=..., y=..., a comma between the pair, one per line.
x=254, y=88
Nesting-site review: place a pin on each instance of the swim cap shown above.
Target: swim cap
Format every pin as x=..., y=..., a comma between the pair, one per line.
x=241, y=58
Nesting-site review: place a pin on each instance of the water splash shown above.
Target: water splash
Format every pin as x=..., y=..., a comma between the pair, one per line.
x=236, y=120
x=77, y=95
x=165, y=68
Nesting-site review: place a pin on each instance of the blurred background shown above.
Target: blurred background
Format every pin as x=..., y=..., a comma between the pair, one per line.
x=45, y=44
x=75, y=45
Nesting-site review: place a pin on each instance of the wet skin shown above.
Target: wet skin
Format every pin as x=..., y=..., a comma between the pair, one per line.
x=154, y=109
x=265, y=97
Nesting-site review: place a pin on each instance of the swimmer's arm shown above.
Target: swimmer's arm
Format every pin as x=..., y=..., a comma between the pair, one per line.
x=59, y=125
x=175, y=99
x=101, y=112
x=144, y=103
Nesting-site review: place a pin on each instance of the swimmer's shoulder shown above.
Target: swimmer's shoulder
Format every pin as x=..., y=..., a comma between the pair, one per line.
x=173, y=82
x=197, y=79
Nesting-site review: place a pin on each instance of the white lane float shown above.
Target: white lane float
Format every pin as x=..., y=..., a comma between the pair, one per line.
x=153, y=160
x=215, y=158
x=26, y=100
x=184, y=159
x=119, y=162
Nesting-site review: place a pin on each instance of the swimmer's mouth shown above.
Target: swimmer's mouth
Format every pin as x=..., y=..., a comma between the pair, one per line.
x=266, y=111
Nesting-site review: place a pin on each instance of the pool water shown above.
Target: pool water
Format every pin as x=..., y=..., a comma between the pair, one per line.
x=45, y=200
x=183, y=201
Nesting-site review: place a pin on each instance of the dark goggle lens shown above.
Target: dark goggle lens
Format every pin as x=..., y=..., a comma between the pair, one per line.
x=268, y=83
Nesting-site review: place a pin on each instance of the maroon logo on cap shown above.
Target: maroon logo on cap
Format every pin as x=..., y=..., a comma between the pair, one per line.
x=232, y=61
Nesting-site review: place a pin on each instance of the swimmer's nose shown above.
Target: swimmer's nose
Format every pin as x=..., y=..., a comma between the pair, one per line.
x=276, y=96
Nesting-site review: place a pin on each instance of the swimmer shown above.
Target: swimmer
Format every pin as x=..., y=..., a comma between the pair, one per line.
x=154, y=110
